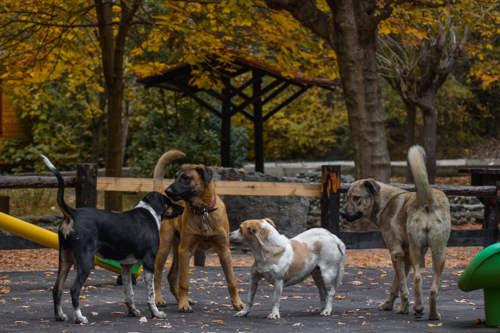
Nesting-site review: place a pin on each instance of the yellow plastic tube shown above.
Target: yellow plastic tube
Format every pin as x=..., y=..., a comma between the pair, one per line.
x=45, y=237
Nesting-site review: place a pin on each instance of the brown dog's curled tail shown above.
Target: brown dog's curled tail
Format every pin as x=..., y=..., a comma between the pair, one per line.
x=416, y=161
x=163, y=161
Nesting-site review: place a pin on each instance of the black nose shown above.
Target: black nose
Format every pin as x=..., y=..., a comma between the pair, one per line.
x=342, y=213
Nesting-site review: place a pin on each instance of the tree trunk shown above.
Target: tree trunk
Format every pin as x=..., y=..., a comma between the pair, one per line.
x=411, y=122
x=430, y=140
x=355, y=44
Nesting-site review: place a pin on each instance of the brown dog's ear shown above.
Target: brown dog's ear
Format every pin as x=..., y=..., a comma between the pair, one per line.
x=372, y=186
x=268, y=220
x=206, y=174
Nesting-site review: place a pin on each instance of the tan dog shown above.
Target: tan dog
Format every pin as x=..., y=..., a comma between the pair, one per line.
x=410, y=224
x=203, y=225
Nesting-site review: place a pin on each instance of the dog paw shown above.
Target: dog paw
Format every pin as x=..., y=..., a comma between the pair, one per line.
x=418, y=311
x=386, y=306
x=81, y=320
x=435, y=316
x=62, y=317
x=160, y=315
x=273, y=315
x=160, y=301
x=133, y=312
x=242, y=313
x=326, y=312
x=184, y=307
x=239, y=305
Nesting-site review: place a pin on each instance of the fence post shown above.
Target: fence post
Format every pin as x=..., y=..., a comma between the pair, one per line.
x=86, y=185
x=330, y=197
x=4, y=204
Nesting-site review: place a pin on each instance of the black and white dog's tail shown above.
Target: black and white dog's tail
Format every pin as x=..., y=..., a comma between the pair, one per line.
x=66, y=210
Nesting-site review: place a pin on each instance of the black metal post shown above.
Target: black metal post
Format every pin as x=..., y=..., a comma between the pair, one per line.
x=258, y=123
x=4, y=204
x=330, y=198
x=86, y=185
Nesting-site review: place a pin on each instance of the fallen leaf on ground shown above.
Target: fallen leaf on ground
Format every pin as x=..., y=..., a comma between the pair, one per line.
x=218, y=322
x=356, y=283
x=143, y=320
x=339, y=297
x=4, y=290
x=435, y=325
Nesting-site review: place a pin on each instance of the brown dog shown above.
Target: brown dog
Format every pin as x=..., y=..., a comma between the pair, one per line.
x=203, y=225
x=410, y=224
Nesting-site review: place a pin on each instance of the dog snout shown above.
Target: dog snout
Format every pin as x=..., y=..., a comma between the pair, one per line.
x=235, y=236
x=351, y=217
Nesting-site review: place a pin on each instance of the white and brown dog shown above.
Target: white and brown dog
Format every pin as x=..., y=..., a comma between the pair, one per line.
x=284, y=262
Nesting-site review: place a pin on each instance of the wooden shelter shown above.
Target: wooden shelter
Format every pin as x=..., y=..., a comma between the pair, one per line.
x=247, y=84
x=10, y=126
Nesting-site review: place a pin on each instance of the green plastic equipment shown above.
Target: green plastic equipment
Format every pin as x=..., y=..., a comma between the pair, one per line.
x=483, y=272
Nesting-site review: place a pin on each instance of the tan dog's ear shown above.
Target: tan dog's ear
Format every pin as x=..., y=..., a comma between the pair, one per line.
x=372, y=186
x=268, y=220
x=206, y=174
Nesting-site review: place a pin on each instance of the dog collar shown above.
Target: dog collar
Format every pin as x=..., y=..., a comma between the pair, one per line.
x=204, y=211
x=150, y=209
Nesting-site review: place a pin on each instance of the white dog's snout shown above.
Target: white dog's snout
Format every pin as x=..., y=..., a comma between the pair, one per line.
x=235, y=236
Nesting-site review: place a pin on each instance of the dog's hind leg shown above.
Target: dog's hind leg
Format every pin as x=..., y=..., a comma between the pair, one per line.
x=438, y=249
x=65, y=263
x=84, y=265
x=401, y=266
x=128, y=290
x=416, y=252
x=318, y=280
x=166, y=237
x=329, y=277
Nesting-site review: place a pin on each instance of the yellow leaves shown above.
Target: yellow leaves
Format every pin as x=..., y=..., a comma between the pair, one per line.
x=434, y=325
x=4, y=290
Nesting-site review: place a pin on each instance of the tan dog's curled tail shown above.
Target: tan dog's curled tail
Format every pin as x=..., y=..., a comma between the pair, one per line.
x=416, y=161
x=163, y=161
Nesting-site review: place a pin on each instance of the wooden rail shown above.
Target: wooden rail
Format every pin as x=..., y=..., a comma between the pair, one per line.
x=87, y=184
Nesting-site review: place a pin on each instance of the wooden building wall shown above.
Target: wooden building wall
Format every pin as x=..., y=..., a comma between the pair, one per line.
x=10, y=125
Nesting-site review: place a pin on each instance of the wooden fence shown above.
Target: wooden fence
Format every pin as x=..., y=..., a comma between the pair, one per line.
x=87, y=184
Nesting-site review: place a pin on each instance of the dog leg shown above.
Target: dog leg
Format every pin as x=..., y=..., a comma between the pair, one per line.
x=252, y=289
x=393, y=294
x=438, y=261
x=128, y=290
x=148, y=278
x=65, y=263
x=227, y=264
x=84, y=266
x=415, y=257
x=166, y=237
x=278, y=289
x=328, y=277
x=400, y=265
x=183, y=280
x=318, y=280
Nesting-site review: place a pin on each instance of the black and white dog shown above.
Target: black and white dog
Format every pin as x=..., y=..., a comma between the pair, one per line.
x=126, y=237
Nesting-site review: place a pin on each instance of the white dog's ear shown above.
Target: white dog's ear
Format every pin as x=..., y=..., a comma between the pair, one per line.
x=268, y=220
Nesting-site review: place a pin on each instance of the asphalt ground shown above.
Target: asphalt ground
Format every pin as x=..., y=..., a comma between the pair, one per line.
x=26, y=306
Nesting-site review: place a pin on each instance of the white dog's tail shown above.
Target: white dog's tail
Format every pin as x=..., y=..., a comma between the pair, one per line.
x=416, y=161
x=163, y=161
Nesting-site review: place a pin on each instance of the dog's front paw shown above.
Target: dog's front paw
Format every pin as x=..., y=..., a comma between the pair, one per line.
x=184, y=307
x=61, y=317
x=160, y=315
x=81, y=320
x=386, y=306
x=273, y=315
x=242, y=313
x=159, y=300
x=238, y=305
x=326, y=312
